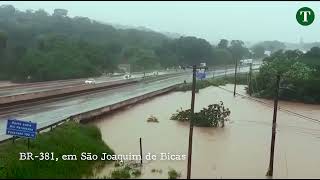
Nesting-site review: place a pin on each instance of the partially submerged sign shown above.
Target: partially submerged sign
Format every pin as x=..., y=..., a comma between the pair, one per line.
x=21, y=128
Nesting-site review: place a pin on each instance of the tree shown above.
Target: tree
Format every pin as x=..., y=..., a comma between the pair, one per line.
x=238, y=50
x=299, y=81
x=312, y=58
x=258, y=51
x=41, y=13
x=60, y=12
x=272, y=46
x=192, y=50
x=222, y=56
x=223, y=44
x=89, y=47
x=7, y=11
x=3, y=40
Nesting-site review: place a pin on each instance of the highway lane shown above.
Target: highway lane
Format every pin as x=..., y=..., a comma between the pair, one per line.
x=48, y=113
x=9, y=91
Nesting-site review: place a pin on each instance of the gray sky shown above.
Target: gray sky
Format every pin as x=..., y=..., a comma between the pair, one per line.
x=248, y=21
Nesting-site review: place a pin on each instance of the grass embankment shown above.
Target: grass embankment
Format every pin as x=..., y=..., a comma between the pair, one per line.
x=220, y=81
x=69, y=138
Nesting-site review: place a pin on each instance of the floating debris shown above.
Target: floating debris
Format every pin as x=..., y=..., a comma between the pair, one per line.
x=152, y=119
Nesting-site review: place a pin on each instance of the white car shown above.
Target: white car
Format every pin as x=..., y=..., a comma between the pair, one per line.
x=127, y=76
x=90, y=81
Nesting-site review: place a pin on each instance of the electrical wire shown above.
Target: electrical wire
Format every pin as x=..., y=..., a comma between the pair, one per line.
x=279, y=108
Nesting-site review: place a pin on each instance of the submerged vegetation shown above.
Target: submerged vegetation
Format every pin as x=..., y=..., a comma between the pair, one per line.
x=126, y=171
x=215, y=115
x=173, y=174
x=152, y=119
x=156, y=171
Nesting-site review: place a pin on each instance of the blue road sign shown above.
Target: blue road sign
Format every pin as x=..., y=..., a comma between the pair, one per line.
x=201, y=75
x=21, y=128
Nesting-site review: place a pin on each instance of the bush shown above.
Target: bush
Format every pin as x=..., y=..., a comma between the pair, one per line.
x=122, y=173
x=213, y=116
x=173, y=174
x=136, y=173
x=156, y=171
x=126, y=171
x=152, y=119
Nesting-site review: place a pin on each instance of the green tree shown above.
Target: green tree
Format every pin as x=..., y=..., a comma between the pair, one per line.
x=238, y=50
x=258, y=51
x=299, y=81
x=60, y=12
x=222, y=56
x=223, y=44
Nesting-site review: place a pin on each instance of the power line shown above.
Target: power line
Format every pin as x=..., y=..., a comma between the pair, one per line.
x=281, y=109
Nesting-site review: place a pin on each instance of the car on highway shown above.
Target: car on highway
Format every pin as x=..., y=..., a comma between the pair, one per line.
x=90, y=81
x=127, y=76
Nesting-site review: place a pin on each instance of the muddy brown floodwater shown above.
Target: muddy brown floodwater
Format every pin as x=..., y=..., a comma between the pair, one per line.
x=240, y=150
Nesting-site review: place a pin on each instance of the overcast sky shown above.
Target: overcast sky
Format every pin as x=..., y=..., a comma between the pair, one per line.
x=248, y=21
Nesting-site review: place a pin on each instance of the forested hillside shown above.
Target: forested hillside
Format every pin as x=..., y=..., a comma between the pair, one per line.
x=38, y=46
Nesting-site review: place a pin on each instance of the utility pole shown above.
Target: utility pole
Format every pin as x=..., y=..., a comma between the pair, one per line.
x=235, y=78
x=225, y=71
x=141, y=151
x=213, y=72
x=194, y=69
x=273, y=138
x=250, y=77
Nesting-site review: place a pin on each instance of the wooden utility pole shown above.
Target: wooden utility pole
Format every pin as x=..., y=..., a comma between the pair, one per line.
x=141, y=151
x=250, y=77
x=235, y=78
x=225, y=71
x=273, y=138
x=194, y=69
x=213, y=72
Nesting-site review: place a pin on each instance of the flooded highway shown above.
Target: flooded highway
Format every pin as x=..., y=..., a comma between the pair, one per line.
x=240, y=150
